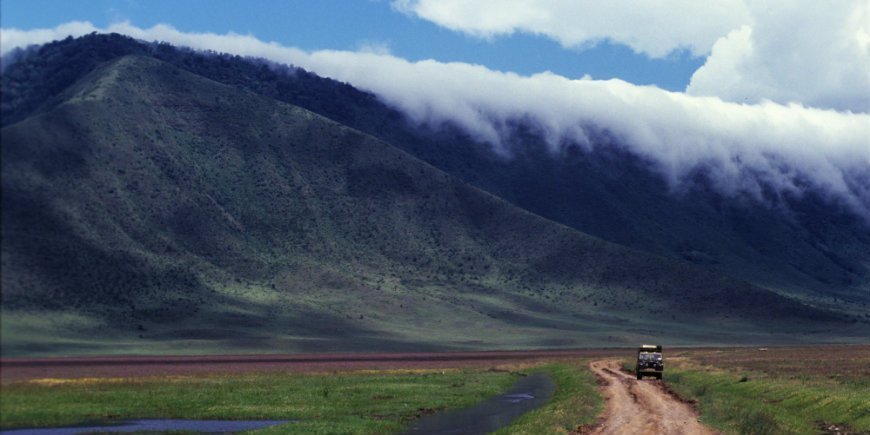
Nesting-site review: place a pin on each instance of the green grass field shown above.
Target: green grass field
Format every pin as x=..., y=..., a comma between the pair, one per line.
x=781, y=391
x=352, y=402
x=361, y=402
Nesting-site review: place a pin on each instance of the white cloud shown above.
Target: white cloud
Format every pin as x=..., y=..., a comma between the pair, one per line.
x=742, y=146
x=376, y=47
x=247, y=45
x=653, y=27
x=15, y=38
x=813, y=52
x=816, y=53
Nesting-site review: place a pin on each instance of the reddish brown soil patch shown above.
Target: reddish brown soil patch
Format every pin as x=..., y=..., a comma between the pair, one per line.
x=20, y=369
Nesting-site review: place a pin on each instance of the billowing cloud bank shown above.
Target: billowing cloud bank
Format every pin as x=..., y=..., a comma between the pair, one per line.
x=653, y=27
x=816, y=53
x=742, y=146
x=811, y=52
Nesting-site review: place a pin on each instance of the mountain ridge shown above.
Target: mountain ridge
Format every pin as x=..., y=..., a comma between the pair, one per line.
x=805, y=247
x=169, y=118
x=814, y=250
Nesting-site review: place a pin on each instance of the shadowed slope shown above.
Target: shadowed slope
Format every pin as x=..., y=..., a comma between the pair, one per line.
x=802, y=245
x=157, y=210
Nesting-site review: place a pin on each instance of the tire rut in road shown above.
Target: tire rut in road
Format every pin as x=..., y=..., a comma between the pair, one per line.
x=641, y=407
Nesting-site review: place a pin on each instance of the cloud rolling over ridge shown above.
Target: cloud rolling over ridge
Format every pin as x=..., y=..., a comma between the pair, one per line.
x=744, y=148
x=813, y=52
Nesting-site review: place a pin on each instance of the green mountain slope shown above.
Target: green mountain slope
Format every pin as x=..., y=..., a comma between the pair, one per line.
x=154, y=210
x=806, y=245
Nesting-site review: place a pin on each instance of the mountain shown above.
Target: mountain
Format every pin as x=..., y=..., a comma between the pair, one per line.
x=808, y=246
x=149, y=209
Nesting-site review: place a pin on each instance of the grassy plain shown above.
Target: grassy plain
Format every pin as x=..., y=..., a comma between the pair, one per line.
x=792, y=390
x=804, y=390
x=355, y=402
x=367, y=401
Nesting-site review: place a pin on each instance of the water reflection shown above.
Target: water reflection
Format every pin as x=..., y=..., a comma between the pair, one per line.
x=525, y=395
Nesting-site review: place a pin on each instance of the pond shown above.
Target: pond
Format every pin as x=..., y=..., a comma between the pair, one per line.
x=495, y=413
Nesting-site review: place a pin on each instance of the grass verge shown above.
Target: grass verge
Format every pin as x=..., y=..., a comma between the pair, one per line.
x=575, y=403
x=749, y=402
x=355, y=402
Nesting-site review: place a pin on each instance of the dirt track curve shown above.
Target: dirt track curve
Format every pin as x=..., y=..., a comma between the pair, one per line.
x=641, y=407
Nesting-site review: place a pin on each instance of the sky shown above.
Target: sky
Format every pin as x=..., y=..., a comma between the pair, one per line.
x=362, y=24
x=764, y=95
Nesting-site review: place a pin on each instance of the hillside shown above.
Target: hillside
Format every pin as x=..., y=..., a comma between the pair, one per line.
x=154, y=210
x=802, y=246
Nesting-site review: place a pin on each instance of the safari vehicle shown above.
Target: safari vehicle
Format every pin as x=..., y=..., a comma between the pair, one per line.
x=649, y=361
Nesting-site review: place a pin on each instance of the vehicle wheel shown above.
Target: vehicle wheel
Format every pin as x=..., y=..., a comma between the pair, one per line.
x=639, y=376
x=659, y=376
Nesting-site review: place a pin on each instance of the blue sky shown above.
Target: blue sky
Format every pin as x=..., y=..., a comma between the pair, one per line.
x=352, y=24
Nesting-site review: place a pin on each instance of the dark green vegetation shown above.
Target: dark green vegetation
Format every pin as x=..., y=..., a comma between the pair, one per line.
x=150, y=209
x=780, y=390
x=379, y=402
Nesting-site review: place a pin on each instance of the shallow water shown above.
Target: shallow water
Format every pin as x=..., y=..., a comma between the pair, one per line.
x=525, y=395
x=205, y=426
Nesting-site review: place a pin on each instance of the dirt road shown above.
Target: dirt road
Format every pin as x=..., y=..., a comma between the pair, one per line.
x=641, y=407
